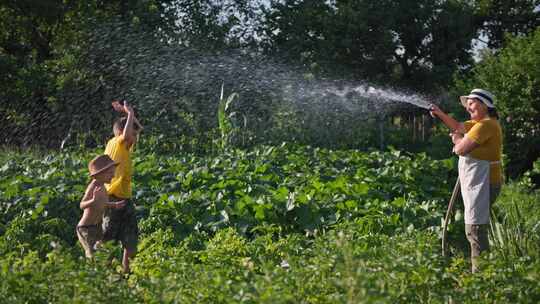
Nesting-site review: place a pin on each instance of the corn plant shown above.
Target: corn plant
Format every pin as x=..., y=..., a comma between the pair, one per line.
x=515, y=227
x=225, y=123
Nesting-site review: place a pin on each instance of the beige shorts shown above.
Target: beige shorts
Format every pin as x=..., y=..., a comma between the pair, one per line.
x=88, y=236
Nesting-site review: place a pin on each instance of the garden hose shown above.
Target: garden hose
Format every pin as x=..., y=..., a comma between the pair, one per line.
x=448, y=214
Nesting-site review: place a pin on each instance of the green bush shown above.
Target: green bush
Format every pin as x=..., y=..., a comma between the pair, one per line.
x=513, y=75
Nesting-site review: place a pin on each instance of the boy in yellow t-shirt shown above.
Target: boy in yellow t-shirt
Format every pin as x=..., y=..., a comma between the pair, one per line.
x=121, y=224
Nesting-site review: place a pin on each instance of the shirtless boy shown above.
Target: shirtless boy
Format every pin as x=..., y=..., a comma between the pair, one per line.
x=94, y=202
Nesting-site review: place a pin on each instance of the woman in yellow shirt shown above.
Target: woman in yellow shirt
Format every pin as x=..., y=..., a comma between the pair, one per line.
x=478, y=142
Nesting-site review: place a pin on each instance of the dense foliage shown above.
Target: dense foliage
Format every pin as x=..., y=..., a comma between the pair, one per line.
x=42, y=47
x=399, y=42
x=63, y=62
x=226, y=212
x=270, y=224
x=513, y=76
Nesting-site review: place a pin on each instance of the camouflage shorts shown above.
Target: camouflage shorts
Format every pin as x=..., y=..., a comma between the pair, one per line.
x=88, y=236
x=121, y=225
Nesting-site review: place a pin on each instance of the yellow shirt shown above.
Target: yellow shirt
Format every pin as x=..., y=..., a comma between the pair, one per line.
x=118, y=151
x=487, y=134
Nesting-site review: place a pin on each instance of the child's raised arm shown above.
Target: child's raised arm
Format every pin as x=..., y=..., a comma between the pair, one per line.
x=128, y=133
x=120, y=107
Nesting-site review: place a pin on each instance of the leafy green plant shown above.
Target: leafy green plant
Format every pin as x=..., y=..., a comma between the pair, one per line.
x=225, y=117
x=271, y=224
x=515, y=222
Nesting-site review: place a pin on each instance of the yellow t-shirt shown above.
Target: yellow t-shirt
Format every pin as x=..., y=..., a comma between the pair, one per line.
x=118, y=151
x=487, y=134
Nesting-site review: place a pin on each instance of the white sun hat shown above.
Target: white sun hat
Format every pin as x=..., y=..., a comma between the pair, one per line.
x=485, y=96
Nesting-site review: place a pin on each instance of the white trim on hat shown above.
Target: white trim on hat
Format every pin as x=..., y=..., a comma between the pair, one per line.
x=485, y=96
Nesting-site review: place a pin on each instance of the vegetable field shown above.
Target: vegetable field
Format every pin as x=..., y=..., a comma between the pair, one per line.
x=272, y=224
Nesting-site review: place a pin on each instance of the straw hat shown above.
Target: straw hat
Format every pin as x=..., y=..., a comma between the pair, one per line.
x=485, y=96
x=100, y=163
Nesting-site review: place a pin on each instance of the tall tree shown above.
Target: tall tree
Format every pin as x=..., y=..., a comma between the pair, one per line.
x=39, y=46
x=513, y=75
x=350, y=33
x=433, y=39
x=513, y=17
x=403, y=41
x=211, y=24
